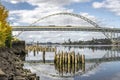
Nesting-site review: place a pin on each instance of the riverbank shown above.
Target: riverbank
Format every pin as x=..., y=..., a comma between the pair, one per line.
x=11, y=64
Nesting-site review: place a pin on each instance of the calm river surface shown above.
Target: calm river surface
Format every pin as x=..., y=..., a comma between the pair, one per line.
x=101, y=63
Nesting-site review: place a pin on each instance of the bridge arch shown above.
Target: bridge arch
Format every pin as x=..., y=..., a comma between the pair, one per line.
x=71, y=14
x=75, y=15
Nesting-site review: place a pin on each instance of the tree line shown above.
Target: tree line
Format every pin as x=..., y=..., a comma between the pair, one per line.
x=89, y=42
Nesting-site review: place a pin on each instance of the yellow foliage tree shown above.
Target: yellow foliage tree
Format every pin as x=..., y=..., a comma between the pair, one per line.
x=2, y=36
x=5, y=29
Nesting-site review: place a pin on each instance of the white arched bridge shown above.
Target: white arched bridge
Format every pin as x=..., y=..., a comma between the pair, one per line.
x=110, y=33
x=64, y=28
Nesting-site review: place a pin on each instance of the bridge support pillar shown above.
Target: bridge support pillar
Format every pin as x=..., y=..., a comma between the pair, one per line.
x=114, y=38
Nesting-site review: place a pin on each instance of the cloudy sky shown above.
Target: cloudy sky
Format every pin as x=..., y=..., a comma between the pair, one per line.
x=106, y=13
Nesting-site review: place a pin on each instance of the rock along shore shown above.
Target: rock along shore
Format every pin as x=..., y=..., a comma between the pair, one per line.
x=11, y=64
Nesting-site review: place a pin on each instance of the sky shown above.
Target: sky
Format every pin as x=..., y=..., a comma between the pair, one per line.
x=106, y=13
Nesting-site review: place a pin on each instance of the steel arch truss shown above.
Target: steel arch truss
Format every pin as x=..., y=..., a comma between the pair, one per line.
x=78, y=16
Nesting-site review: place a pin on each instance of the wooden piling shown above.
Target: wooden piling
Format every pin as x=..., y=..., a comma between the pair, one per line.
x=69, y=62
x=43, y=56
x=76, y=58
x=73, y=58
x=69, y=58
x=60, y=60
x=83, y=67
x=66, y=58
x=83, y=59
x=55, y=58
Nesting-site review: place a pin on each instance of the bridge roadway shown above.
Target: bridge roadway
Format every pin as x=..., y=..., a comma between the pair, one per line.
x=86, y=60
x=64, y=28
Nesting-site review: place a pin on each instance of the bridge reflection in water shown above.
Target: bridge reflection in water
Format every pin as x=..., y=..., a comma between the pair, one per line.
x=112, y=54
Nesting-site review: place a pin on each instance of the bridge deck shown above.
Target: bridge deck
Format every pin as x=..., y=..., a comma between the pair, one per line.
x=64, y=28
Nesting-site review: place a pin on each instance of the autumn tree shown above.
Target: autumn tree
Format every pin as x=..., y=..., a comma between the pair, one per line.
x=5, y=28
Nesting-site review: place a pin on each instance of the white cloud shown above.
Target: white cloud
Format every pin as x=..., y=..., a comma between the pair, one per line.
x=14, y=1
x=26, y=17
x=29, y=16
x=46, y=7
x=111, y=5
x=49, y=2
x=58, y=36
x=15, y=24
x=98, y=5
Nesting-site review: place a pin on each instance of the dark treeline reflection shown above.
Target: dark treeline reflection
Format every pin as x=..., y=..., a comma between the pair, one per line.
x=95, y=47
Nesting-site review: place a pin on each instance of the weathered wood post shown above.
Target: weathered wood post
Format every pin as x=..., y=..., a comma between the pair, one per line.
x=73, y=68
x=83, y=59
x=73, y=57
x=83, y=62
x=83, y=67
x=34, y=51
x=63, y=57
x=69, y=62
x=63, y=61
x=76, y=59
x=43, y=56
x=66, y=58
x=69, y=58
x=80, y=59
x=76, y=63
x=60, y=60
x=37, y=48
x=55, y=58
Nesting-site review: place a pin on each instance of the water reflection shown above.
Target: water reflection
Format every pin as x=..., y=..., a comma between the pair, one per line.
x=69, y=63
x=65, y=69
x=94, y=47
x=113, y=53
x=94, y=57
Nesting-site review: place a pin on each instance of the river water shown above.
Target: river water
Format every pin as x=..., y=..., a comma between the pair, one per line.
x=101, y=63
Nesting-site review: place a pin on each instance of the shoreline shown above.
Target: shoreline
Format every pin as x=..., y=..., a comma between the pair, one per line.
x=83, y=45
x=11, y=64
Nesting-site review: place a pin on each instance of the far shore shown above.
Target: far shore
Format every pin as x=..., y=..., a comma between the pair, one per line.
x=58, y=44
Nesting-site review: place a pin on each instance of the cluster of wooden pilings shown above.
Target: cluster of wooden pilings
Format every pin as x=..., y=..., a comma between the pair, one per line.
x=69, y=62
x=37, y=48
